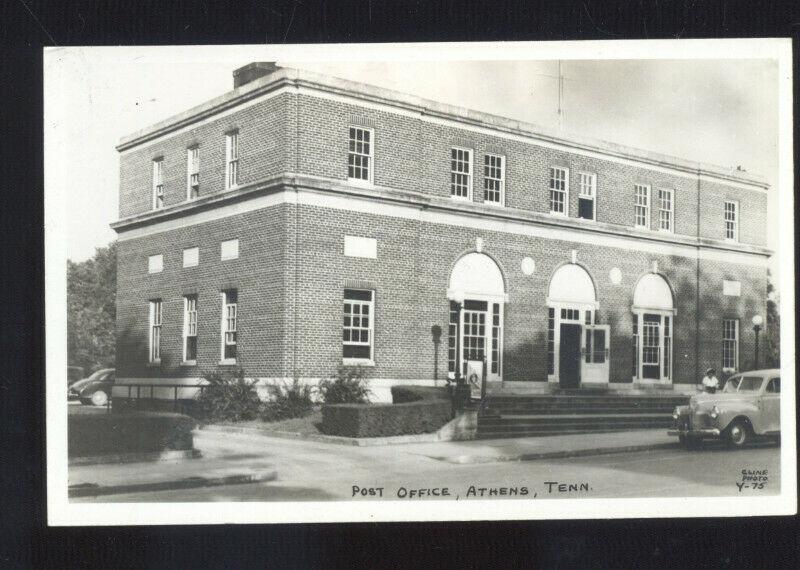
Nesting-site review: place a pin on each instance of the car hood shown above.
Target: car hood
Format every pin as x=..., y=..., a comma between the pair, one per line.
x=706, y=400
x=80, y=384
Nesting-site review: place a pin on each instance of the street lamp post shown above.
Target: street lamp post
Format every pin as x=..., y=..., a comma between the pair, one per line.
x=757, y=322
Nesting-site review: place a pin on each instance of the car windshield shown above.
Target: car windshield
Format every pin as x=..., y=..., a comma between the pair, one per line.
x=750, y=383
x=732, y=384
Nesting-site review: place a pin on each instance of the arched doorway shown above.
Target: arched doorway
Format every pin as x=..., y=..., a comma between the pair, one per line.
x=653, y=317
x=477, y=295
x=576, y=346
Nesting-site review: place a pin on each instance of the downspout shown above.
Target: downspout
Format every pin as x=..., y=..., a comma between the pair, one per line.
x=697, y=290
x=296, y=231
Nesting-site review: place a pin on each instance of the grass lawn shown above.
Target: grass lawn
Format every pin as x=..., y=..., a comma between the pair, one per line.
x=306, y=425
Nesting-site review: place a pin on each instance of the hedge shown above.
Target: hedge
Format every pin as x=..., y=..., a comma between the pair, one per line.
x=135, y=432
x=415, y=410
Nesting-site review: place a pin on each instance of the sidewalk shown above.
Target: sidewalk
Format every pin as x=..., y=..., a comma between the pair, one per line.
x=547, y=447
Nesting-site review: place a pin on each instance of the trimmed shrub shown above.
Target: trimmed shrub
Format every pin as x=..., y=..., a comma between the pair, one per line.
x=135, y=432
x=228, y=398
x=292, y=401
x=348, y=387
x=381, y=420
x=403, y=394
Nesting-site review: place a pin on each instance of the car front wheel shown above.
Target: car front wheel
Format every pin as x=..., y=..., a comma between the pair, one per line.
x=99, y=398
x=738, y=434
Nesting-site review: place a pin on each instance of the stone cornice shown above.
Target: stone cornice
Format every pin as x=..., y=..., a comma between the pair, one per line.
x=424, y=202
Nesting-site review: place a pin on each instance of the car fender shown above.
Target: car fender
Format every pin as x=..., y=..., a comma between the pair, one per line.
x=736, y=410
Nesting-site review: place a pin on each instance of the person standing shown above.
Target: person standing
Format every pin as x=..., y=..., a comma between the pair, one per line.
x=710, y=383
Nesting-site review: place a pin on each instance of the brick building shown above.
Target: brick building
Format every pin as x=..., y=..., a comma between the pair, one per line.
x=300, y=222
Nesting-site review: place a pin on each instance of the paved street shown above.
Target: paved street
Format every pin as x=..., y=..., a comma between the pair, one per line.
x=320, y=471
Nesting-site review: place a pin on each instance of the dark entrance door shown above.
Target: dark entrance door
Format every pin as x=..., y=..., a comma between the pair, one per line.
x=569, y=356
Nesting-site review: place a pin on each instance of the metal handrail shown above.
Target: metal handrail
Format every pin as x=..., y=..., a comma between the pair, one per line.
x=140, y=385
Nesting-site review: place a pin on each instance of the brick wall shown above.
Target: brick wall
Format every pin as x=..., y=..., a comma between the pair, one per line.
x=258, y=274
x=265, y=150
x=309, y=135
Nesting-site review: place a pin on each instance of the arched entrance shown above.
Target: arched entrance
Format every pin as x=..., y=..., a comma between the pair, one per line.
x=653, y=314
x=577, y=350
x=477, y=295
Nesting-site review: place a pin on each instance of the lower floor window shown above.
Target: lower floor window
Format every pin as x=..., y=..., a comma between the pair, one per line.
x=230, y=317
x=190, y=328
x=652, y=346
x=357, y=329
x=551, y=340
x=155, y=330
x=730, y=344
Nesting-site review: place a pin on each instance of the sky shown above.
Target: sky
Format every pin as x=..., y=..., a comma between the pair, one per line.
x=719, y=111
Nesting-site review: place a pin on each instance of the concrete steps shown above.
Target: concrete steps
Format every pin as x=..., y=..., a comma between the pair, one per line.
x=532, y=415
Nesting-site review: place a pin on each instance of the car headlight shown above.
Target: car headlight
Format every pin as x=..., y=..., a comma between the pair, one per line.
x=714, y=413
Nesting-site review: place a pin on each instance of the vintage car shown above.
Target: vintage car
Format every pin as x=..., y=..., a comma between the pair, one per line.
x=748, y=406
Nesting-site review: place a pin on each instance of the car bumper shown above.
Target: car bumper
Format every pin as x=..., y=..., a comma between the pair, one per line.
x=709, y=432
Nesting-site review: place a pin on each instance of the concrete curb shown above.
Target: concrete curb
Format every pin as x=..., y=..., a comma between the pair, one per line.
x=471, y=459
x=339, y=440
x=135, y=457
x=94, y=490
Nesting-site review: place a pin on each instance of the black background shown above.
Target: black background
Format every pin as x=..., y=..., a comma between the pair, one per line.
x=25, y=540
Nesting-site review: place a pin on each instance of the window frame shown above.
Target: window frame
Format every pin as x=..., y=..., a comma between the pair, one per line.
x=232, y=159
x=156, y=322
x=470, y=174
x=501, y=181
x=192, y=169
x=224, y=321
x=735, y=204
x=565, y=191
x=370, y=180
x=157, y=198
x=187, y=327
x=670, y=212
x=636, y=205
x=348, y=360
x=735, y=346
x=582, y=195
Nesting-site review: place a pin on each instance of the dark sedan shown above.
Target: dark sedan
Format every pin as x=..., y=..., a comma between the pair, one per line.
x=94, y=390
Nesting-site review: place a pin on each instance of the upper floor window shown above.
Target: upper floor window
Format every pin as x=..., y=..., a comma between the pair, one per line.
x=666, y=208
x=155, y=331
x=230, y=316
x=193, y=173
x=642, y=206
x=158, y=183
x=494, y=179
x=358, y=324
x=730, y=344
x=559, y=190
x=588, y=190
x=231, y=160
x=461, y=173
x=359, y=155
x=732, y=221
x=190, y=328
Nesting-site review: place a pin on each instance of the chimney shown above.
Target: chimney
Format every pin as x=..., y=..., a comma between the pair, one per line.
x=253, y=71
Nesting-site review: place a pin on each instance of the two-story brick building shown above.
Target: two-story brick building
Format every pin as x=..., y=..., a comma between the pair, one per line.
x=300, y=222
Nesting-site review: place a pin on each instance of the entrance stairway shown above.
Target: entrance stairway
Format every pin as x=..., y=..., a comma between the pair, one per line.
x=507, y=415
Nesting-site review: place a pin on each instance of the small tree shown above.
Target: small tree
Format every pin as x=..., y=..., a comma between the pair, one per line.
x=772, y=331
